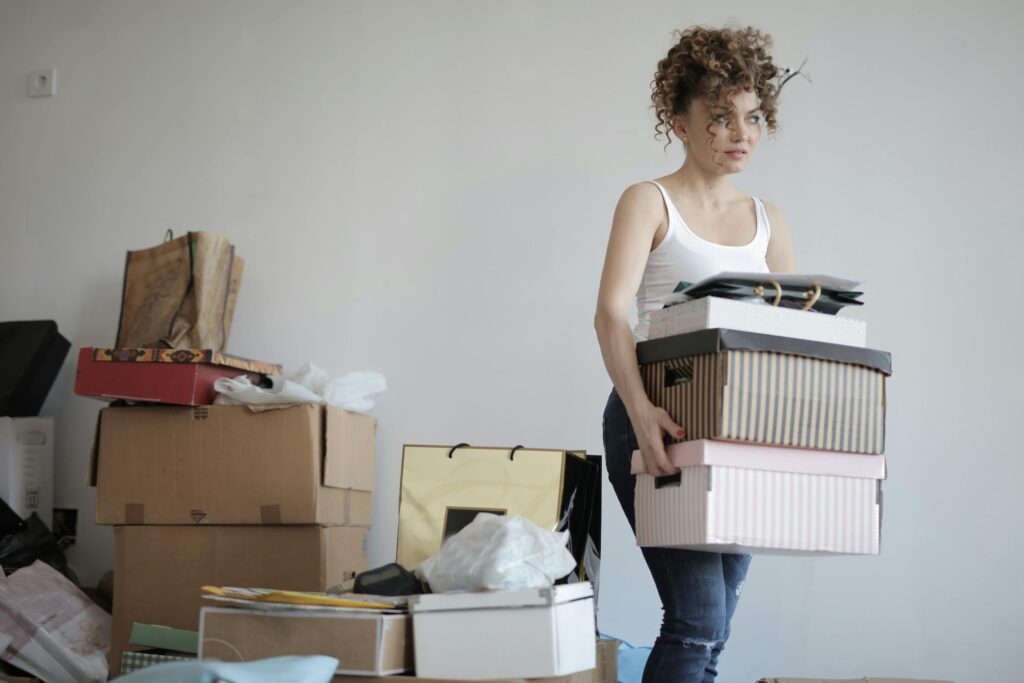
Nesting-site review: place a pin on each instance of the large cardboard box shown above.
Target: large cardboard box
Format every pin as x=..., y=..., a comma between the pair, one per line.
x=174, y=376
x=363, y=641
x=712, y=311
x=849, y=680
x=443, y=488
x=26, y=466
x=737, y=498
x=529, y=633
x=302, y=464
x=159, y=570
x=758, y=388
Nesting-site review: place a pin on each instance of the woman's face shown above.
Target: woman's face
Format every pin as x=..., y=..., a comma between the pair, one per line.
x=722, y=139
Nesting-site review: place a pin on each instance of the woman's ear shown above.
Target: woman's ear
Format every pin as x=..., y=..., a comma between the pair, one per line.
x=679, y=127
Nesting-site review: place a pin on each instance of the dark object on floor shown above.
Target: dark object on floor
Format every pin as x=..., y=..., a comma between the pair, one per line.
x=31, y=354
x=391, y=579
x=12, y=674
x=65, y=526
x=10, y=521
x=36, y=542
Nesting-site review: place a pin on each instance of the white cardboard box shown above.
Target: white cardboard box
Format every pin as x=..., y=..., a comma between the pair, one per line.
x=711, y=311
x=530, y=633
x=26, y=466
x=740, y=498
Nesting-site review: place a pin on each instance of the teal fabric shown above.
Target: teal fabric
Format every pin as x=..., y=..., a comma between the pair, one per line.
x=313, y=669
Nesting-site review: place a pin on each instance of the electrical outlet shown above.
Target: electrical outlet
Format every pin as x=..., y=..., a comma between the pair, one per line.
x=42, y=83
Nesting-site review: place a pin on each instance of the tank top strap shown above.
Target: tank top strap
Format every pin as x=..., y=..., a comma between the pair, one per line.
x=670, y=211
x=762, y=221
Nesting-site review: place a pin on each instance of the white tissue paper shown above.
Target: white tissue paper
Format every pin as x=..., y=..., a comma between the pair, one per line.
x=495, y=552
x=309, y=384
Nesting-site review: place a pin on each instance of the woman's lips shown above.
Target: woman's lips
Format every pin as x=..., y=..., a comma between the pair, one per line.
x=736, y=154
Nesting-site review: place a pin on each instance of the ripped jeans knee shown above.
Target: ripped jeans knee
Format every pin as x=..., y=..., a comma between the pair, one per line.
x=709, y=634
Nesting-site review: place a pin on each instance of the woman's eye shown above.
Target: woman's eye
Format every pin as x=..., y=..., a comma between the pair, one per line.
x=756, y=120
x=719, y=119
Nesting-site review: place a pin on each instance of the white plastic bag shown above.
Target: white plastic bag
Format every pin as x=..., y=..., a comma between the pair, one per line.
x=495, y=552
x=309, y=384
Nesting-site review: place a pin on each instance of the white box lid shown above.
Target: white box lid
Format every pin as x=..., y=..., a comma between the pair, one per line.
x=771, y=458
x=527, y=597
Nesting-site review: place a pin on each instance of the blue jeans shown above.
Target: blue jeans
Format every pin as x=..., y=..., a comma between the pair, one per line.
x=698, y=590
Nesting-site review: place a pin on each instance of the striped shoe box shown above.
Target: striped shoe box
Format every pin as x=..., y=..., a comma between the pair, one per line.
x=746, y=387
x=753, y=499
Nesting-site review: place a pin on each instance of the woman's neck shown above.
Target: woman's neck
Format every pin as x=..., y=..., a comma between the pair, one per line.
x=707, y=189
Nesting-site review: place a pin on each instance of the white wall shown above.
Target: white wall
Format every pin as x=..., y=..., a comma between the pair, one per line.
x=426, y=189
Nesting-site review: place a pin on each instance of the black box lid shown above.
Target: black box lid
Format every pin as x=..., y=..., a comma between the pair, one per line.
x=720, y=339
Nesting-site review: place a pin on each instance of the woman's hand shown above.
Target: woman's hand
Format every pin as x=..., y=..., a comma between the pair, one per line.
x=651, y=425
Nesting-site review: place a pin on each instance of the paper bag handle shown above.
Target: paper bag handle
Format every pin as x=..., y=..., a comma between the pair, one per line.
x=511, y=454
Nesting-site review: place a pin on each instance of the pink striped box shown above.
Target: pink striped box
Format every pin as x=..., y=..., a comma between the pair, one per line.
x=740, y=498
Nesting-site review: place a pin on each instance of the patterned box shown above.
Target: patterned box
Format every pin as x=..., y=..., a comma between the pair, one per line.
x=757, y=388
x=738, y=498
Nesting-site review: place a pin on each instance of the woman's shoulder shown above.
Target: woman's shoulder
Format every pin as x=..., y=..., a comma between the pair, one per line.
x=643, y=190
x=642, y=197
x=775, y=215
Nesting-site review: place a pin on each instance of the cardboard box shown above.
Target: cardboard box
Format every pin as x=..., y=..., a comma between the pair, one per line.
x=849, y=680
x=230, y=465
x=606, y=671
x=531, y=633
x=735, y=498
x=443, y=488
x=159, y=570
x=174, y=376
x=26, y=466
x=756, y=388
x=711, y=311
x=363, y=641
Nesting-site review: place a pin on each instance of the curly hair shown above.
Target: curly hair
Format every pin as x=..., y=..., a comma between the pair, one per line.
x=709, y=63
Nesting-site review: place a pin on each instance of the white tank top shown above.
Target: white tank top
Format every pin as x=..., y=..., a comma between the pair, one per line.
x=682, y=256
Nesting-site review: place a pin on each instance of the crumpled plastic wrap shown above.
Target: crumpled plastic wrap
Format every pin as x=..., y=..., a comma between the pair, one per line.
x=310, y=384
x=495, y=552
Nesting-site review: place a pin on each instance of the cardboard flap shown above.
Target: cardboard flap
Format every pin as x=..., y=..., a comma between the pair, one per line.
x=770, y=458
x=718, y=339
x=348, y=449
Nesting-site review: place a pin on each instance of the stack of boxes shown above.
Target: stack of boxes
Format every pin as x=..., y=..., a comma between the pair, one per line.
x=225, y=495
x=784, y=442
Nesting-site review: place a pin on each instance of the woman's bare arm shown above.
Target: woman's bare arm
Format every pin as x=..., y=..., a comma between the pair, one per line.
x=637, y=218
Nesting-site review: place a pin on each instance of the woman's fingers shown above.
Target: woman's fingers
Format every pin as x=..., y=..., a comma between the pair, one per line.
x=669, y=426
x=656, y=460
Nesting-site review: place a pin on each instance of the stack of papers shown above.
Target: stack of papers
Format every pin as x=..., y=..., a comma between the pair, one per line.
x=268, y=599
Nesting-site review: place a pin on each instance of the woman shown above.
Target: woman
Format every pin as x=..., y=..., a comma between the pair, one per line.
x=715, y=91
